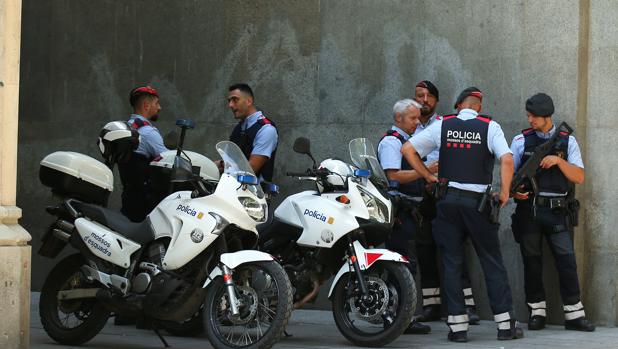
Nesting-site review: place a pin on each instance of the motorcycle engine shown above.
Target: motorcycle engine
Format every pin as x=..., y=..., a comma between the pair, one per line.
x=150, y=266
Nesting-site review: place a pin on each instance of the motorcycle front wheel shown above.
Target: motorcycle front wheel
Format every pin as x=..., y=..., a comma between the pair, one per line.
x=384, y=313
x=264, y=293
x=73, y=321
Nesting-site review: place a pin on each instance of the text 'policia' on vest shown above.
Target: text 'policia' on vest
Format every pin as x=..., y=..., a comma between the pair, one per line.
x=245, y=138
x=464, y=155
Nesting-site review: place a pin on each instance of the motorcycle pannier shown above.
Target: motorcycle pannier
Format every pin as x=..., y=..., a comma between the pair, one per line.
x=78, y=176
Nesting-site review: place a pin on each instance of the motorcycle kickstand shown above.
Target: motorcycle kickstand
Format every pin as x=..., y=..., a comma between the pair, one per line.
x=286, y=334
x=156, y=330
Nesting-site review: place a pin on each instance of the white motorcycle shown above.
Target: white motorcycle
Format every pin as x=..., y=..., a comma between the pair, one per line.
x=190, y=255
x=373, y=293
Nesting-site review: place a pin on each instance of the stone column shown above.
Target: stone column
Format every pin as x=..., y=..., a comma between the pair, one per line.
x=14, y=249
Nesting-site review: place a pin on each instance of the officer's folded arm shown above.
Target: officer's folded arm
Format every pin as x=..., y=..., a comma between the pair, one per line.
x=572, y=172
x=413, y=158
x=402, y=176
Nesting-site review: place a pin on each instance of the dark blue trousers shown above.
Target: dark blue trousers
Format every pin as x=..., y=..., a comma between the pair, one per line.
x=529, y=231
x=404, y=230
x=457, y=218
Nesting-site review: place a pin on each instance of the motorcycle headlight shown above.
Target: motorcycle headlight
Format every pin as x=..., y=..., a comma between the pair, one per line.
x=377, y=210
x=254, y=209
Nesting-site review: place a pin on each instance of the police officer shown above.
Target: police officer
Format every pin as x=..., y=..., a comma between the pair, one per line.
x=136, y=202
x=427, y=94
x=254, y=134
x=468, y=144
x=406, y=113
x=534, y=219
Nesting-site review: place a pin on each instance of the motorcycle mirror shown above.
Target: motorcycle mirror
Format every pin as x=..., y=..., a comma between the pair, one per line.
x=302, y=145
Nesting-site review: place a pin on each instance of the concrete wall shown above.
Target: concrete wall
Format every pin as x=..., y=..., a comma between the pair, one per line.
x=331, y=71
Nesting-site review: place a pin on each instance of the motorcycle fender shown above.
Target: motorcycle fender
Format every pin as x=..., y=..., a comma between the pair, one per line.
x=366, y=258
x=233, y=260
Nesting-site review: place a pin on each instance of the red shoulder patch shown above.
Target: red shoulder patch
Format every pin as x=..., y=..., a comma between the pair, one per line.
x=447, y=117
x=527, y=131
x=484, y=119
x=265, y=120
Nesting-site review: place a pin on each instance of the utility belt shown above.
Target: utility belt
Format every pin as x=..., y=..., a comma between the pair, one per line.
x=405, y=203
x=567, y=204
x=487, y=201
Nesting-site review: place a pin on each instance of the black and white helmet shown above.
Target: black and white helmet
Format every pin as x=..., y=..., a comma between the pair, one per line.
x=117, y=141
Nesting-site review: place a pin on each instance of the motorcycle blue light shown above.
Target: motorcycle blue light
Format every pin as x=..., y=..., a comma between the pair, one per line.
x=272, y=188
x=362, y=173
x=247, y=179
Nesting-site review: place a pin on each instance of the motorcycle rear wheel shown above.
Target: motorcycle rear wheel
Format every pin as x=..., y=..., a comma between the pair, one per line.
x=75, y=321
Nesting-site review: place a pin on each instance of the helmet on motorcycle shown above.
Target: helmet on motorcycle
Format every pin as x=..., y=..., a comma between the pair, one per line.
x=339, y=171
x=116, y=142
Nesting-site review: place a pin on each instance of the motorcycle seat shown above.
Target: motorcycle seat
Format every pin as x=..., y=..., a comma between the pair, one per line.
x=142, y=232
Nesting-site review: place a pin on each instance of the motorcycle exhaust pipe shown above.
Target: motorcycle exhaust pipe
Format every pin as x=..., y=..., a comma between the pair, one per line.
x=309, y=297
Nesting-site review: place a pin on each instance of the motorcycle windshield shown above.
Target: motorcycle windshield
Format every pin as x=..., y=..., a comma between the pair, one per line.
x=363, y=155
x=235, y=162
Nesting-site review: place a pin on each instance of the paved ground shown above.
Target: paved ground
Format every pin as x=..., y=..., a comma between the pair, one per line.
x=316, y=329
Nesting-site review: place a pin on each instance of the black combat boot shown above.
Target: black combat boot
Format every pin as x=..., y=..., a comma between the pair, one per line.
x=536, y=322
x=416, y=327
x=514, y=332
x=458, y=337
x=580, y=324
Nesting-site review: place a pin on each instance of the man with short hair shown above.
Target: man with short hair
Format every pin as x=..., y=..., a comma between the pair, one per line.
x=254, y=134
x=468, y=144
x=405, y=114
x=535, y=218
x=427, y=94
x=136, y=202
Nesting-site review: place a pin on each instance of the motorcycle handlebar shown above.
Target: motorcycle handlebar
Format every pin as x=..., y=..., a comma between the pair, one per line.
x=298, y=174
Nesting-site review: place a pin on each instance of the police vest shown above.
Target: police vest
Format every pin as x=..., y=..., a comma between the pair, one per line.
x=464, y=156
x=550, y=180
x=414, y=188
x=134, y=172
x=244, y=140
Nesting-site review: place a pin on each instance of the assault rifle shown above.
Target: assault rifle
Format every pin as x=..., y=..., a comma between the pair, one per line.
x=530, y=168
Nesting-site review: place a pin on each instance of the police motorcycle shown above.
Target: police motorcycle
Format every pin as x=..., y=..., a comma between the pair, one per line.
x=191, y=255
x=373, y=293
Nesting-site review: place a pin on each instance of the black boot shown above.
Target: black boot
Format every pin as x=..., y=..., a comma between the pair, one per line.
x=430, y=313
x=459, y=337
x=580, y=324
x=473, y=318
x=536, y=322
x=416, y=327
x=515, y=332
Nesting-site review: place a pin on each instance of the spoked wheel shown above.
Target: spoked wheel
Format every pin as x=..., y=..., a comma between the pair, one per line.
x=264, y=297
x=72, y=321
x=384, y=313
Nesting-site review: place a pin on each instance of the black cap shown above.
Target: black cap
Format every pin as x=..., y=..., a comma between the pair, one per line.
x=540, y=105
x=430, y=87
x=470, y=91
